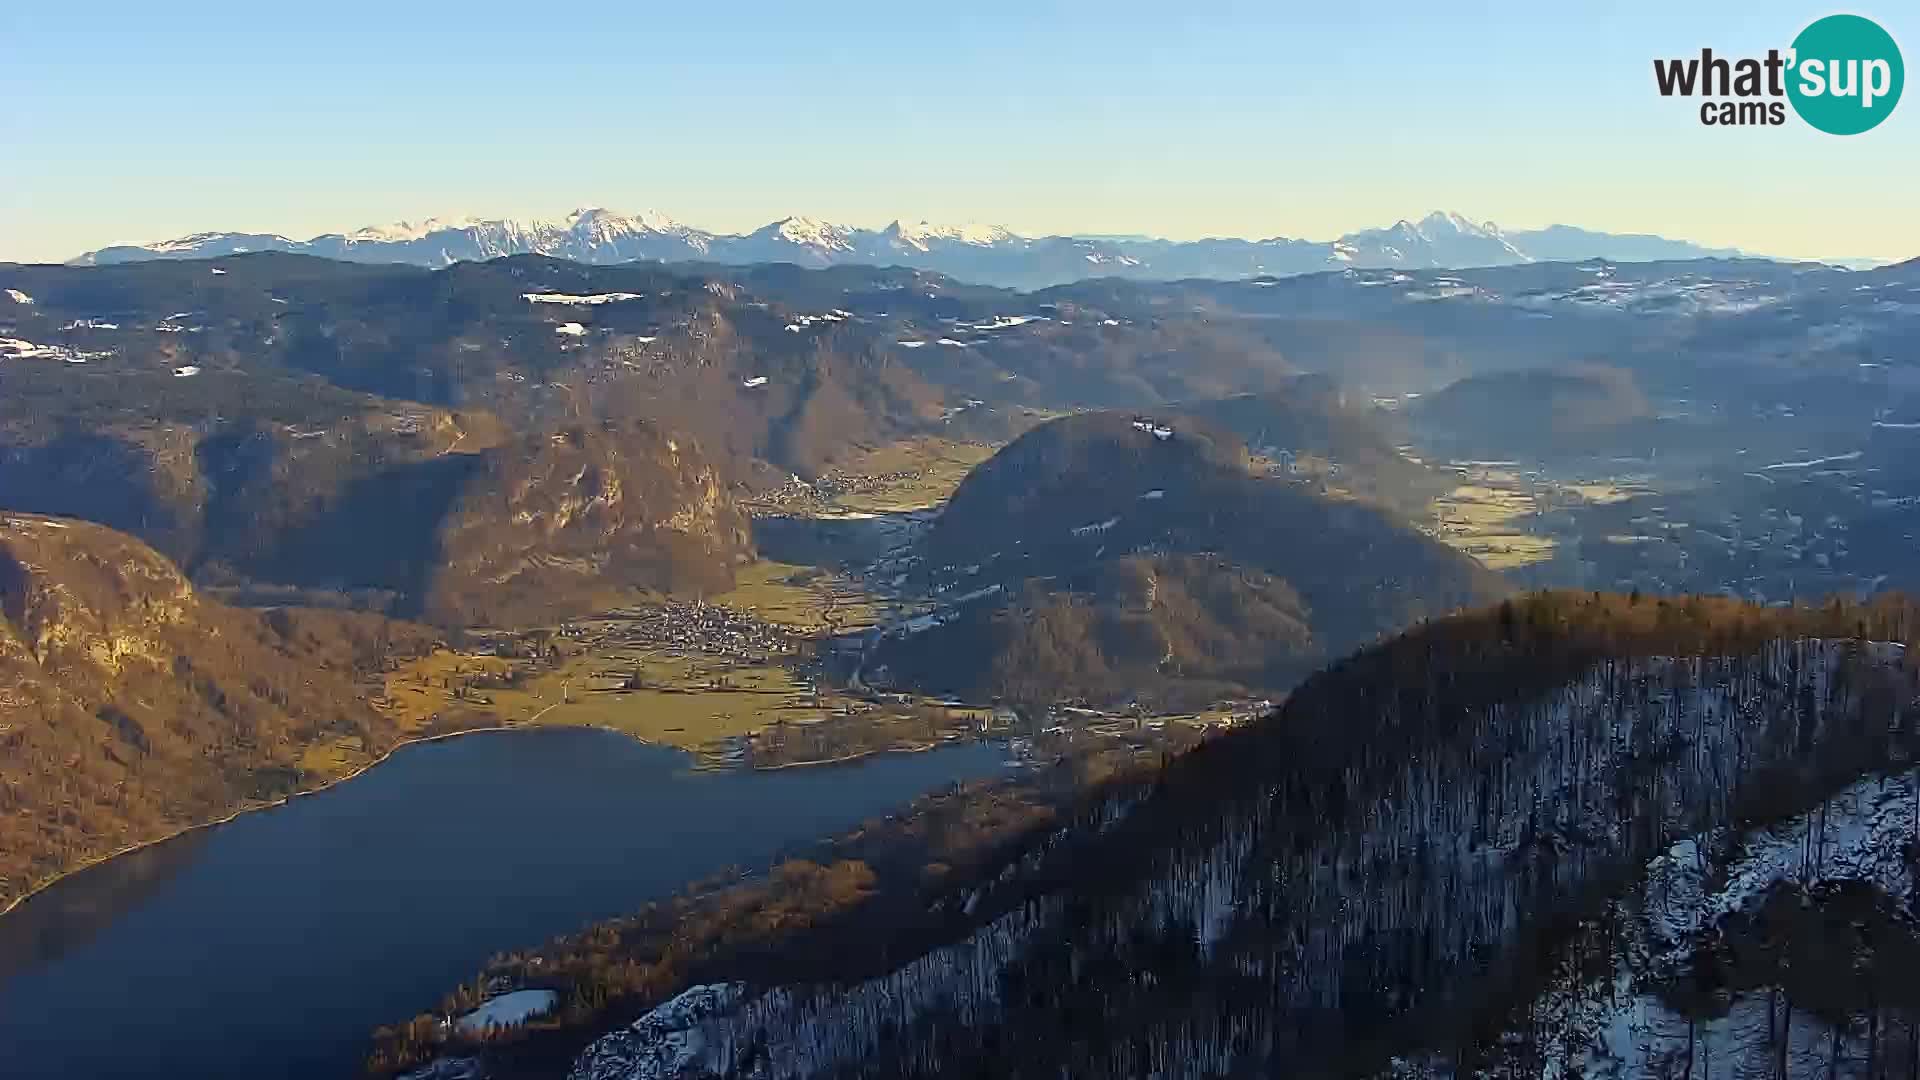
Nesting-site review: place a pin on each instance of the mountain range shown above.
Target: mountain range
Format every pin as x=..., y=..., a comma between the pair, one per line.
x=986, y=254
x=1569, y=834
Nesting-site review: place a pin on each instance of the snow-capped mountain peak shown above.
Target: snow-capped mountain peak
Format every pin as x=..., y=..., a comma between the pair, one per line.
x=402, y=232
x=1441, y=239
x=1447, y=222
x=920, y=235
x=812, y=233
x=591, y=224
x=601, y=221
x=988, y=254
x=196, y=243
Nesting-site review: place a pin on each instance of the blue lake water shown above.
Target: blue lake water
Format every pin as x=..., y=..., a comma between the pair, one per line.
x=272, y=945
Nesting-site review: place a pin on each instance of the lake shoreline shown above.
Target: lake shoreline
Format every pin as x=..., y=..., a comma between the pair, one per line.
x=525, y=725
x=422, y=872
x=857, y=755
x=236, y=814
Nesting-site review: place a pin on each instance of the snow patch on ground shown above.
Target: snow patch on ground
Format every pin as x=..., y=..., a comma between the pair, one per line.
x=1000, y=322
x=579, y=298
x=1443, y=292
x=1859, y=835
x=662, y=1043
x=801, y=322
x=1621, y=1027
x=22, y=349
x=509, y=1010
x=453, y=1068
x=969, y=597
x=1812, y=462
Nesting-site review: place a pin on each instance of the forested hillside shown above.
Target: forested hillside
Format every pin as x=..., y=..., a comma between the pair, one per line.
x=131, y=707
x=275, y=484
x=572, y=521
x=1579, y=408
x=1120, y=556
x=1536, y=839
x=1172, y=630
x=1316, y=428
x=769, y=367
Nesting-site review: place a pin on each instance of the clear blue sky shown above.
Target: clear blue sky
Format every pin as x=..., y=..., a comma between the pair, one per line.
x=142, y=121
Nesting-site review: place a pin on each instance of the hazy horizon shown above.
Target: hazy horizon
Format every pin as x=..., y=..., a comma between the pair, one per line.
x=143, y=125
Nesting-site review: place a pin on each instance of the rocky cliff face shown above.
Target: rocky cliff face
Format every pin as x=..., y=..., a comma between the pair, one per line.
x=82, y=602
x=130, y=706
x=546, y=528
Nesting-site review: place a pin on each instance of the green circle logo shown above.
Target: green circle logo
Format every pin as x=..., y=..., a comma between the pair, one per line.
x=1846, y=74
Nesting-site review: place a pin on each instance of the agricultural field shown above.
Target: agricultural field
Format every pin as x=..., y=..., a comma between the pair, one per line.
x=419, y=695
x=900, y=478
x=675, y=700
x=804, y=599
x=688, y=702
x=693, y=701
x=915, y=475
x=1486, y=517
x=1603, y=493
x=1505, y=517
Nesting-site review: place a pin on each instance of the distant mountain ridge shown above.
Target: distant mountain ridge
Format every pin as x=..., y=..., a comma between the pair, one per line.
x=988, y=254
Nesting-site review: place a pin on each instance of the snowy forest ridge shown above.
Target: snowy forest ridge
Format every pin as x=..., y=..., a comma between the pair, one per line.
x=1450, y=870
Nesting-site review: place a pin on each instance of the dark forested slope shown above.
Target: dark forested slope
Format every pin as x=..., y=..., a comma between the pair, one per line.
x=276, y=483
x=1536, y=412
x=1121, y=555
x=1314, y=427
x=768, y=367
x=1167, y=630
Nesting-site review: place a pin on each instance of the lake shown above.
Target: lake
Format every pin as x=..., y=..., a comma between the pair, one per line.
x=274, y=944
